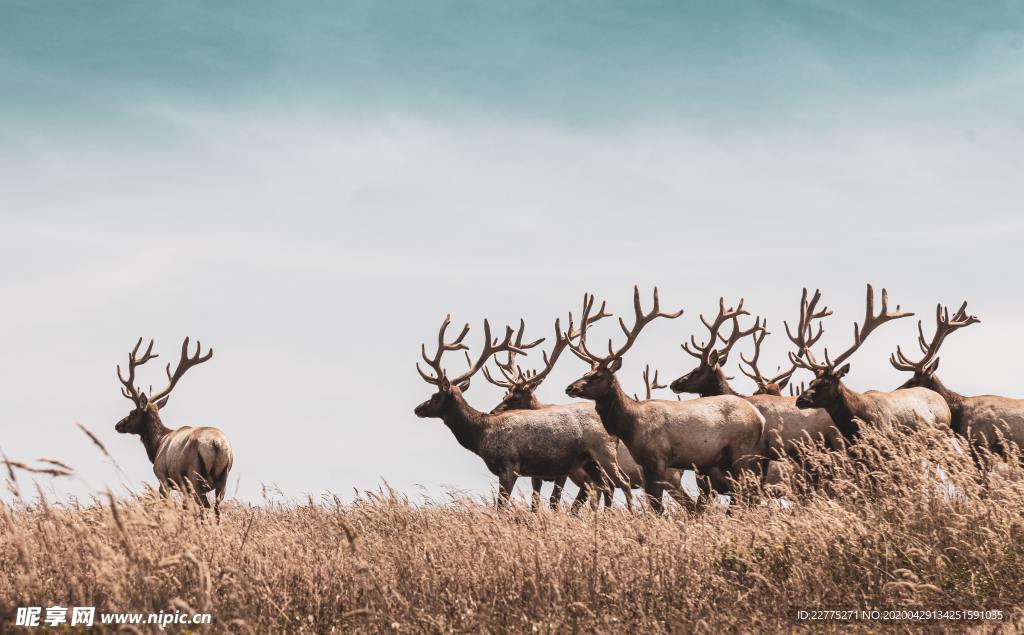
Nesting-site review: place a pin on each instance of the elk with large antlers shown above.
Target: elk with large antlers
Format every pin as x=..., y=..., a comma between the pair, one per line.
x=521, y=386
x=723, y=432
x=549, y=442
x=785, y=424
x=190, y=459
x=985, y=420
x=907, y=406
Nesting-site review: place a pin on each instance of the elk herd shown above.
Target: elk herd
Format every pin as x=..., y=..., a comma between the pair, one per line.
x=609, y=440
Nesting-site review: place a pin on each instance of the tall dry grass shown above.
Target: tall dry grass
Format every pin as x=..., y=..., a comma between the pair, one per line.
x=887, y=528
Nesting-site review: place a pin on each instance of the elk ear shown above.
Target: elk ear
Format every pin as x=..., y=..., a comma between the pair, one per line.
x=845, y=368
x=931, y=368
x=143, y=399
x=464, y=386
x=444, y=385
x=782, y=383
x=163, y=402
x=714, y=359
x=615, y=365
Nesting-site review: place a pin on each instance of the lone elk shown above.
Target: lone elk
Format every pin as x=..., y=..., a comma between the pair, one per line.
x=190, y=459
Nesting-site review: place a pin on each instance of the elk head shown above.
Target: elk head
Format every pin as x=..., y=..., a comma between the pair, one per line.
x=824, y=389
x=147, y=407
x=447, y=389
x=599, y=380
x=804, y=338
x=707, y=378
x=924, y=368
x=520, y=386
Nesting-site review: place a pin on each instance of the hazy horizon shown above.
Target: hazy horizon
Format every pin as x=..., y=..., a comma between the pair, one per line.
x=310, y=190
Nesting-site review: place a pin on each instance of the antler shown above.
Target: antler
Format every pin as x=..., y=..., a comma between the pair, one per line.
x=944, y=325
x=651, y=384
x=515, y=376
x=804, y=338
x=640, y=321
x=513, y=372
x=491, y=347
x=703, y=351
x=130, y=390
x=442, y=347
x=186, y=362
x=871, y=322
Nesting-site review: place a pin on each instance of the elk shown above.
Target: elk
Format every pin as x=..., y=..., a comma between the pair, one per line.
x=548, y=442
x=189, y=459
x=907, y=406
x=521, y=386
x=785, y=423
x=982, y=419
x=723, y=432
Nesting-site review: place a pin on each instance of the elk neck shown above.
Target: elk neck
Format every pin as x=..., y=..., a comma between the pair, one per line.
x=619, y=413
x=153, y=435
x=845, y=408
x=954, y=400
x=466, y=422
x=718, y=386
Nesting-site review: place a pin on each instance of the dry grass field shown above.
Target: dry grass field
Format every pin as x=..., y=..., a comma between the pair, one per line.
x=889, y=531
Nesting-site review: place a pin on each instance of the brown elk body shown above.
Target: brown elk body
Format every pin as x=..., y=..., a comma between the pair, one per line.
x=984, y=420
x=908, y=407
x=785, y=423
x=196, y=460
x=712, y=435
x=549, y=442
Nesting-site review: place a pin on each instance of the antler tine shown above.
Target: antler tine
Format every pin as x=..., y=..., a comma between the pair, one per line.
x=738, y=333
x=491, y=347
x=509, y=368
x=640, y=321
x=130, y=390
x=944, y=325
x=186, y=362
x=703, y=351
x=442, y=347
x=752, y=362
x=535, y=378
x=651, y=384
x=580, y=349
x=508, y=385
x=871, y=322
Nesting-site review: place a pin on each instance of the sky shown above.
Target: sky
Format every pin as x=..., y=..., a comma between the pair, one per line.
x=310, y=189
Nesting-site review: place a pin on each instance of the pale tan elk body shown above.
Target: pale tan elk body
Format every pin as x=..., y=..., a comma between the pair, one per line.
x=714, y=435
x=909, y=407
x=981, y=419
x=548, y=443
x=190, y=459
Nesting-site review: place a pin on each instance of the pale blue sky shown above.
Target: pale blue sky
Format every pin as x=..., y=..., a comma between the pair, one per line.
x=309, y=190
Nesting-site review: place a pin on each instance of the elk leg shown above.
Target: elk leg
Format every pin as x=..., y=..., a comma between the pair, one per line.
x=556, y=492
x=654, y=489
x=506, y=482
x=582, y=497
x=627, y=492
x=601, y=483
x=535, y=499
